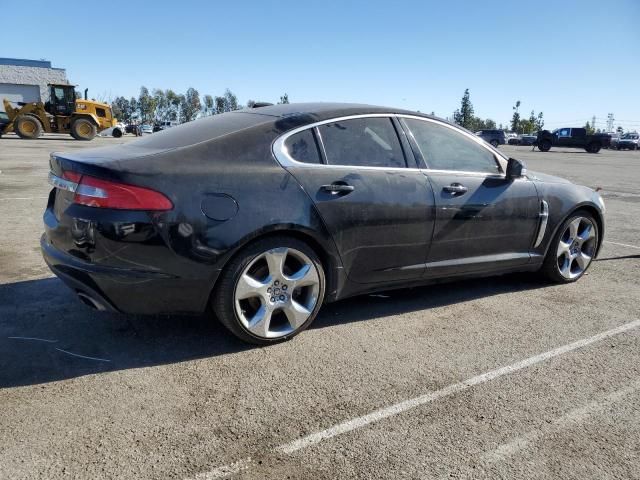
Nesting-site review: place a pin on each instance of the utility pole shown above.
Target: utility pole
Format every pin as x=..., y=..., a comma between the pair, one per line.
x=593, y=123
x=610, y=121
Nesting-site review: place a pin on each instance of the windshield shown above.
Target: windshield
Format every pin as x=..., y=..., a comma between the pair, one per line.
x=630, y=136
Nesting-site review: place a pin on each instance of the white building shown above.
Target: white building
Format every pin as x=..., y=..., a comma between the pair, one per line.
x=27, y=80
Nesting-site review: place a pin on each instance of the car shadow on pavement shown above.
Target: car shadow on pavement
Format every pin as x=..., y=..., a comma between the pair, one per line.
x=394, y=302
x=46, y=334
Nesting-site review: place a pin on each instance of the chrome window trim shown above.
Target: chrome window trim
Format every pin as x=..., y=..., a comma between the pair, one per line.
x=281, y=153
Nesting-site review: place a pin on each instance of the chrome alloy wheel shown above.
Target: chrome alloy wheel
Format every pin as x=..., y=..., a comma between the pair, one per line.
x=276, y=293
x=576, y=247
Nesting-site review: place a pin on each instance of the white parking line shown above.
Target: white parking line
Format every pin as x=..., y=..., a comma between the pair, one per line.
x=224, y=471
x=401, y=407
x=22, y=198
x=574, y=417
x=622, y=244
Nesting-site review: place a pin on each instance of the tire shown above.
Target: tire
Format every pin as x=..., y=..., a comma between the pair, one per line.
x=117, y=133
x=593, y=147
x=27, y=127
x=562, y=263
x=83, y=129
x=544, y=146
x=259, y=303
x=494, y=143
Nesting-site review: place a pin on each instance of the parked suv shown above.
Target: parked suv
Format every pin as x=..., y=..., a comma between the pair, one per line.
x=629, y=141
x=494, y=137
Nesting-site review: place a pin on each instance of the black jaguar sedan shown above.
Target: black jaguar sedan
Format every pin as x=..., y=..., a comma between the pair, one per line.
x=261, y=215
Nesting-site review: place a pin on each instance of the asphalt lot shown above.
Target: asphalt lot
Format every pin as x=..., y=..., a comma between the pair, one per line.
x=507, y=377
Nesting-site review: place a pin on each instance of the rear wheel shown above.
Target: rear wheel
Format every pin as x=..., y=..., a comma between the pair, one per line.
x=28, y=127
x=572, y=249
x=83, y=129
x=593, y=147
x=545, y=145
x=117, y=133
x=271, y=291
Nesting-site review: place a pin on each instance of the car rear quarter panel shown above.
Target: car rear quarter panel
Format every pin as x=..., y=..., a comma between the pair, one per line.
x=186, y=243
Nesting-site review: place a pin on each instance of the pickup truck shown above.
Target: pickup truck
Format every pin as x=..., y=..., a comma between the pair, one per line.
x=572, y=138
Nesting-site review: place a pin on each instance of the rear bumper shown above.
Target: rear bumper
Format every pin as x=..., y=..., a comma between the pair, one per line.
x=126, y=291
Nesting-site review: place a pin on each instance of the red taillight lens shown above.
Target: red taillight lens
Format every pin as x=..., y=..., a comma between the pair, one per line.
x=95, y=192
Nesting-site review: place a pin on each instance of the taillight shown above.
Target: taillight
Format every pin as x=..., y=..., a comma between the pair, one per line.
x=95, y=192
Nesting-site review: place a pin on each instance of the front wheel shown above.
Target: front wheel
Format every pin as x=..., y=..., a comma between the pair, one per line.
x=27, y=127
x=572, y=249
x=83, y=129
x=593, y=147
x=545, y=145
x=271, y=291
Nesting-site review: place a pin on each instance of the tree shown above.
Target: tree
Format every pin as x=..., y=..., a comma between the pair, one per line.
x=251, y=103
x=173, y=105
x=515, y=120
x=161, y=105
x=590, y=130
x=464, y=116
x=207, y=105
x=539, y=122
x=122, y=109
x=146, y=105
x=135, y=111
x=227, y=103
x=284, y=99
x=190, y=104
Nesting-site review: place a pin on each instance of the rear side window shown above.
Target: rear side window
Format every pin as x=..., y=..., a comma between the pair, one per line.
x=362, y=142
x=101, y=112
x=303, y=147
x=445, y=148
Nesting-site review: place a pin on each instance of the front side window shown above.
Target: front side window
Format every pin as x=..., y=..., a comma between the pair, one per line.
x=363, y=142
x=563, y=132
x=302, y=147
x=101, y=112
x=444, y=148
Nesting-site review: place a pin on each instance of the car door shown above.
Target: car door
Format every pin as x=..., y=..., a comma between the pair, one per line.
x=378, y=208
x=483, y=221
x=563, y=137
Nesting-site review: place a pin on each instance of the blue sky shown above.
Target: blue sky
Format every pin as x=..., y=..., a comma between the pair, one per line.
x=570, y=59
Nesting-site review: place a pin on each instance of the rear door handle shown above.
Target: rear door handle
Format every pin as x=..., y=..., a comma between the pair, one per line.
x=338, y=187
x=456, y=188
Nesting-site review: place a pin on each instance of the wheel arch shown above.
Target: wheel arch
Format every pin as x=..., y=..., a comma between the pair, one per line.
x=593, y=210
x=331, y=263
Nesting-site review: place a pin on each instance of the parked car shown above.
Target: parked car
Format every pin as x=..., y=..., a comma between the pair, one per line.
x=572, y=138
x=522, y=140
x=146, y=128
x=614, y=138
x=628, y=141
x=117, y=131
x=264, y=215
x=527, y=140
x=493, y=137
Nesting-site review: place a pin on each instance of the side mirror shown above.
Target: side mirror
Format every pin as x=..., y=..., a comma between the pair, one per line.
x=515, y=169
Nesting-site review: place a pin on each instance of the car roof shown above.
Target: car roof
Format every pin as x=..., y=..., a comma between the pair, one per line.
x=324, y=111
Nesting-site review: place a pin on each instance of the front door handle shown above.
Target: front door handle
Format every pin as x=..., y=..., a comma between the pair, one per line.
x=456, y=188
x=338, y=188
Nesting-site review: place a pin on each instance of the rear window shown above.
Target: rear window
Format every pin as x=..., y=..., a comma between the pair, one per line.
x=303, y=147
x=201, y=130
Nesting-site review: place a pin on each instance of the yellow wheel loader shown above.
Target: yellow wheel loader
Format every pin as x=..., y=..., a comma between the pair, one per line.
x=63, y=113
